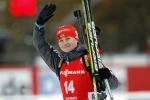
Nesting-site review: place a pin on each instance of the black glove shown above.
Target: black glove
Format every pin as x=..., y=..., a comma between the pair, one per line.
x=46, y=13
x=104, y=73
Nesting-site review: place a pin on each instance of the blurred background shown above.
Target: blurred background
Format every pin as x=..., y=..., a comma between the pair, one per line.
x=125, y=40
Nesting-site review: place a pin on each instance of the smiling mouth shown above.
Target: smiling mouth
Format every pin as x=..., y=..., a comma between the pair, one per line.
x=66, y=46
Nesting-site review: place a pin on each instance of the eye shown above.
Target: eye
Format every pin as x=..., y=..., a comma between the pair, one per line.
x=61, y=40
x=67, y=38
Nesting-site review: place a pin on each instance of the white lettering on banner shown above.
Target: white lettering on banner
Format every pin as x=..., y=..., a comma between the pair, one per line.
x=16, y=81
x=72, y=72
x=11, y=87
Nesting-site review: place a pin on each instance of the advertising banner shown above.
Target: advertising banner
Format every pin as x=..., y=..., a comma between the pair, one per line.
x=23, y=7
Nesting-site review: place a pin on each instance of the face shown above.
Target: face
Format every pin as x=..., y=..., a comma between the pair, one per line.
x=67, y=44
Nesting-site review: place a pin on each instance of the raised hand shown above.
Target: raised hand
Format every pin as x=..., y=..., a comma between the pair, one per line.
x=46, y=13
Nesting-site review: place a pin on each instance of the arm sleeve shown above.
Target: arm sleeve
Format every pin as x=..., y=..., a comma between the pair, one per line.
x=113, y=82
x=47, y=52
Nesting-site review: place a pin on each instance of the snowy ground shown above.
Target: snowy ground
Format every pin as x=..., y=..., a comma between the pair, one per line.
x=117, y=96
x=132, y=96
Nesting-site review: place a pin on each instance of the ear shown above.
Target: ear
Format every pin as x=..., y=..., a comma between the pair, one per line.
x=77, y=38
x=78, y=42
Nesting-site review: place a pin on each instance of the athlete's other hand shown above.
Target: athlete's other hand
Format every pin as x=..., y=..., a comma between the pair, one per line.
x=104, y=73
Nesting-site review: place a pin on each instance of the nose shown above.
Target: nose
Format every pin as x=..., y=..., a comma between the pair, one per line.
x=65, y=41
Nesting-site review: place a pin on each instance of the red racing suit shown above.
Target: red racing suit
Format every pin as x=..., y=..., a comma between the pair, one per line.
x=75, y=80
